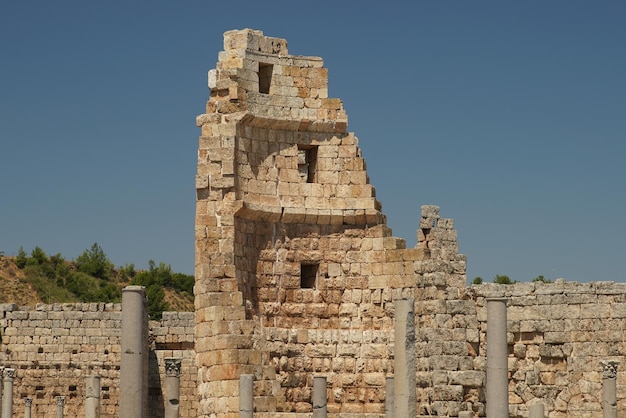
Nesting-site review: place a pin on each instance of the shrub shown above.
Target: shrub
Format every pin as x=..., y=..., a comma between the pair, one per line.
x=503, y=279
x=541, y=279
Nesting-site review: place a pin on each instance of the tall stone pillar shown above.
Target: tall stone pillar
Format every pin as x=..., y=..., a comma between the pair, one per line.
x=609, y=388
x=246, y=396
x=28, y=404
x=60, y=406
x=497, y=391
x=172, y=387
x=134, y=361
x=7, y=392
x=320, y=401
x=92, y=397
x=389, y=395
x=404, y=366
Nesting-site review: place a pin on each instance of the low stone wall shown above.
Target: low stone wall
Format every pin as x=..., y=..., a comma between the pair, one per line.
x=55, y=347
x=557, y=336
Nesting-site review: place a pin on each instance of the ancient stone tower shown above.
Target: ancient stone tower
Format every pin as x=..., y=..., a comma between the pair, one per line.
x=296, y=269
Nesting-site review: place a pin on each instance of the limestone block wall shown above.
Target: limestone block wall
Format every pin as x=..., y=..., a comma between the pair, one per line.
x=54, y=347
x=557, y=335
x=297, y=271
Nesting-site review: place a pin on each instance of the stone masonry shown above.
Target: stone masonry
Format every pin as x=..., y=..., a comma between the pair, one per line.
x=297, y=272
x=53, y=348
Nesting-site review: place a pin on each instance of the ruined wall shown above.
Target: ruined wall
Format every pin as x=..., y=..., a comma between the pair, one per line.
x=297, y=272
x=557, y=335
x=54, y=347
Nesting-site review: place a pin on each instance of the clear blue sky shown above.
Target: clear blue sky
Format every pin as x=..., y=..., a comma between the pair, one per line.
x=511, y=116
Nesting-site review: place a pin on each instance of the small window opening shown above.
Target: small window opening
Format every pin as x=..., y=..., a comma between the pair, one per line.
x=265, y=77
x=307, y=163
x=308, y=276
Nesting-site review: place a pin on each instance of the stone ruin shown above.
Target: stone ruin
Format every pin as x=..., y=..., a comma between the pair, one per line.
x=298, y=275
x=306, y=304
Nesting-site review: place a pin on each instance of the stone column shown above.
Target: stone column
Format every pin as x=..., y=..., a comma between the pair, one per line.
x=497, y=391
x=28, y=404
x=536, y=410
x=172, y=387
x=134, y=362
x=246, y=396
x=405, y=398
x=320, y=400
x=1, y=398
x=92, y=397
x=609, y=388
x=389, y=397
x=60, y=405
x=7, y=392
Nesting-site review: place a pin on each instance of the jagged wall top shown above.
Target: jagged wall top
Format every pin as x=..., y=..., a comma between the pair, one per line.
x=256, y=75
x=254, y=40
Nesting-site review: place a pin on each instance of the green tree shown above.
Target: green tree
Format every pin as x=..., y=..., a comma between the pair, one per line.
x=477, y=280
x=127, y=272
x=21, y=258
x=156, y=301
x=183, y=282
x=503, y=279
x=154, y=279
x=94, y=262
x=39, y=255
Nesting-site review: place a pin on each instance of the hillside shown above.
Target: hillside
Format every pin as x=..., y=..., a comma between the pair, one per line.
x=43, y=279
x=13, y=285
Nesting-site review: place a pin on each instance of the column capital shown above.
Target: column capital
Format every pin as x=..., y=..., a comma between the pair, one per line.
x=609, y=368
x=60, y=400
x=172, y=366
x=8, y=373
x=28, y=401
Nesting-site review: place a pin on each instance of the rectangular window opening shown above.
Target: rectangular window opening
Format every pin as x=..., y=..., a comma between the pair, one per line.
x=265, y=77
x=307, y=163
x=308, y=276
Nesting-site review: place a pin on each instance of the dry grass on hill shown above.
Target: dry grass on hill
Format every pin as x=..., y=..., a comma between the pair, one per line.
x=15, y=289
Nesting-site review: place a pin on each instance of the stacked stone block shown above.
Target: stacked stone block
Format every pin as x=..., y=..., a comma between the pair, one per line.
x=294, y=262
x=55, y=347
x=297, y=272
x=558, y=334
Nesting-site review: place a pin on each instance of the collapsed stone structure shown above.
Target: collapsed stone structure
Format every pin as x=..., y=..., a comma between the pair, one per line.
x=295, y=265
x=297, y=271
